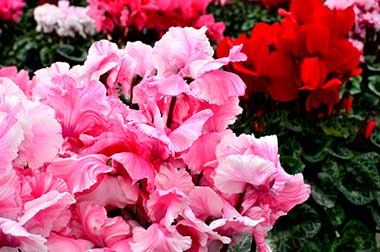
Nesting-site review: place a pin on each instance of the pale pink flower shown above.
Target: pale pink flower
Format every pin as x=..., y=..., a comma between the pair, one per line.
x=179, y=47
x=250, y=167
x=63, y=19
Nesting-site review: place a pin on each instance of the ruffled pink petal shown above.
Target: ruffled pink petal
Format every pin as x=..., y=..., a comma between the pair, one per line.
x=158, y=239
x=267, y=148
x=21, y=78
x=50, y=212
x=178, y=47
x=11, y=133
x=199, y=67
x=80, y=108
x=165, y=206
x=142, y=53
x=10, y=200
x=205, y=202
x=114, y=230
x=39, y=184
x=100, y=229
x=13, y=235
x=201, y=234
x=112, y=191
x=224, y=115
x=232, y=145
x=45, y=132
x=103, y=56
x=228, y=85
x=80, y=173
x=236, y=171
x=137, y=167
x=183, y=136
x=122, y=246
x=58, y=243
x=170, y=177
x=202, y=151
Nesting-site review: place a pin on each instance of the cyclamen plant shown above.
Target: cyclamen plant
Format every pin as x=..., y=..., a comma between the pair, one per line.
x=82, y=171
x=306, y=56
x=121, y=16
x=64, y=20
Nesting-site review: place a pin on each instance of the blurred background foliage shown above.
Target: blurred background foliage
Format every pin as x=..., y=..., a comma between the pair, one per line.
x=22, y=46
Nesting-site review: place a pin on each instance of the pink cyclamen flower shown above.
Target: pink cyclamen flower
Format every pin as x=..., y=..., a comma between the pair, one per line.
x=11, y=10
x=250, y=167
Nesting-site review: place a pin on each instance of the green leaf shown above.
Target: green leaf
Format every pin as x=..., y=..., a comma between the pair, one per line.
x=369, y=100
x=292, y=165
x=375, y=138
x=357, y=197
x=46, y=56
x=374, y=84
x=354, y=84
x=375, y=212
x=290, y=146
x=316, y=149
x=336, y=215
x=315, y=158
x=355, y=237
x=322, y=198
x=335, y=131
x=360, y=183
x=372, y=63
x=330, y=173
x=300, y=226
x=340, y=152
x=69, y=52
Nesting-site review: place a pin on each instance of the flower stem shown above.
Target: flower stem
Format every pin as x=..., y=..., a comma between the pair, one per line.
x=171, y=111
x=253, y=244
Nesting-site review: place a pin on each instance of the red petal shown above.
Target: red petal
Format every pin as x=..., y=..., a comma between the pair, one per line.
x=313, y=73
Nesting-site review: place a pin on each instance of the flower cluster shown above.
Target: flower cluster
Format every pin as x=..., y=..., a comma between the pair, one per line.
x=159, y=15
x=11, y=10
x=367, y=16
x=81, y=170
x=307, y=53
x=65, y=20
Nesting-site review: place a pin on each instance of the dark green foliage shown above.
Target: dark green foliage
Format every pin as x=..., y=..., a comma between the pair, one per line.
x=241, y=16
